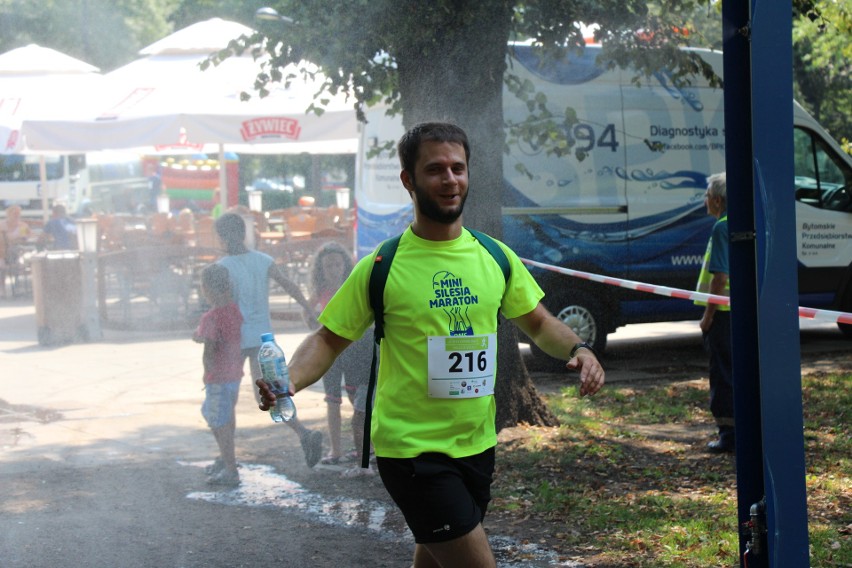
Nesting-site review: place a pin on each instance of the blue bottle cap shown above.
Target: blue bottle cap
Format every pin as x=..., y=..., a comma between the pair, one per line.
x=267, y=337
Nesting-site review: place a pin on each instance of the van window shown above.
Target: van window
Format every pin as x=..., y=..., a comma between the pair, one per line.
x=823, y=179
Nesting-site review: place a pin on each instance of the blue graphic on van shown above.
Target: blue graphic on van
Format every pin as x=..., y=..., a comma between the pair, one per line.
x=654, y=243
x=686, y=178
x=373, y=228
x=574, y=69
x=687, y=96
x=653, y=249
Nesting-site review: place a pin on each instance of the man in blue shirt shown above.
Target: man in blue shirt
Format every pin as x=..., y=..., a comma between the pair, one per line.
x=60, y=230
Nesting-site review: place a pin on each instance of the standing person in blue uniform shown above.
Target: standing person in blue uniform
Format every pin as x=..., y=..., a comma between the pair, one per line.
x=716, y=320
x=433, y=425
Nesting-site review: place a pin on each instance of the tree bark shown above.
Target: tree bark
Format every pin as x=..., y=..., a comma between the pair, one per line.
x=438, y=82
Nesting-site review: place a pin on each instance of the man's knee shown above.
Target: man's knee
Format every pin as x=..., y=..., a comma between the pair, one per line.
x=471, y=550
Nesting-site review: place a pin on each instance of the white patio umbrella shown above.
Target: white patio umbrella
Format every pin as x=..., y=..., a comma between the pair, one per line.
x=33, y=81
x=200, y=110
x=165, y=99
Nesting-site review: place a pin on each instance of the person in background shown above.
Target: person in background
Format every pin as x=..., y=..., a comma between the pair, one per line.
x=331, y=265
x=86, y=209
x=184, y=232
x=250, y=272
x=434, y=438
x=155, y=187
x=219, y=331
x=60, y=232
x=17, y=231
x=716, y=320
x=216, y=211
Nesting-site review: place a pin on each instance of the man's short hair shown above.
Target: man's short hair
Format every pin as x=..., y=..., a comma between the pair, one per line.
x=717, y=186
x=231, y=228
x=408, y=147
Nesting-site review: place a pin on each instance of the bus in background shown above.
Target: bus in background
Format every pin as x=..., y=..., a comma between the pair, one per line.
x=21, y=181
x=84, y=183
x=117, y=183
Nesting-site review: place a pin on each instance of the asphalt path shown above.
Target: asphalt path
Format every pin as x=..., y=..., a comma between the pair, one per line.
x=102, y=448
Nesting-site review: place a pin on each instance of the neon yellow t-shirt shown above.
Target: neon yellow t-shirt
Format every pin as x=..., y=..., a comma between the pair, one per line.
x=434, y=288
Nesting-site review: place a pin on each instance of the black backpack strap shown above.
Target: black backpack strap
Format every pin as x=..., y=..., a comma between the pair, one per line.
x=494, y=249
x=497, y=254
x=378, y=278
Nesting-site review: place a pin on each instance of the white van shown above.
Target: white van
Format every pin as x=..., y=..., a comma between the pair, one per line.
x=633, y=208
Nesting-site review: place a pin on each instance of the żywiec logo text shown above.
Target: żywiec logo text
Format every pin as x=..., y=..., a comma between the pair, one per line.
x=270, y=126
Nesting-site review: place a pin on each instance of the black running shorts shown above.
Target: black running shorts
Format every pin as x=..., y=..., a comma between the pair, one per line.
x=442, y=498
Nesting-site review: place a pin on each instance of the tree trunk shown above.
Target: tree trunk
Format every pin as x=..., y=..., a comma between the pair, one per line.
x=438, y=81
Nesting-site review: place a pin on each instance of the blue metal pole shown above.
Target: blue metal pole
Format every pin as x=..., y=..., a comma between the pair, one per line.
x=780, y=362
x=744, y=324
x=764, y=296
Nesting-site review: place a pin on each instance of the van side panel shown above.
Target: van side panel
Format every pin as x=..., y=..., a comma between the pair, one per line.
x=568, y=210
x=628, y=200
x=632, y=201
x=674, y=140
x=382, y=206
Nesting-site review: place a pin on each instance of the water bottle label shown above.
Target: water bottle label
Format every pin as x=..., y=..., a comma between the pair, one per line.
x=276, y=375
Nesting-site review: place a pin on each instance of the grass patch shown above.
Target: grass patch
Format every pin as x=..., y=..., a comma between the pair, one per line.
x=624, y=482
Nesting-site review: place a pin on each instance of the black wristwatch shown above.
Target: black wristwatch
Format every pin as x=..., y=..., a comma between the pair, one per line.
x=582, y=345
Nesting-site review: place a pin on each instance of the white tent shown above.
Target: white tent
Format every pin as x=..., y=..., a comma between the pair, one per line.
x=200, y=111
x=34, y=80
x=165, y=100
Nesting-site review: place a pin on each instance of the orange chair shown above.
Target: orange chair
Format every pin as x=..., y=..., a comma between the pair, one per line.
x=261, y=224
x=160, y=224
x=205, y=233
x=300, y=225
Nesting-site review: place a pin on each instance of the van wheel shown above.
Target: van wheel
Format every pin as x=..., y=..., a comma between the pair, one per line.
x=585, y=316
x=845, y=329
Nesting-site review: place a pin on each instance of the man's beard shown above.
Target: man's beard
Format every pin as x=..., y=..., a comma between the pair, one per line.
x=430, y=209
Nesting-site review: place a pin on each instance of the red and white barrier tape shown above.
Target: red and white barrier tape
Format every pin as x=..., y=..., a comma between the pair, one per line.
x=810, y=313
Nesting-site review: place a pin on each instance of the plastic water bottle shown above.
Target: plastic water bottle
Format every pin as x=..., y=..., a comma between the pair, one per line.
x=273, y=369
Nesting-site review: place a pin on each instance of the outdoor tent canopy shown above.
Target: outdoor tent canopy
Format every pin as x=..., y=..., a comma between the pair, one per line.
x=166, y=100
x=30, y=79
